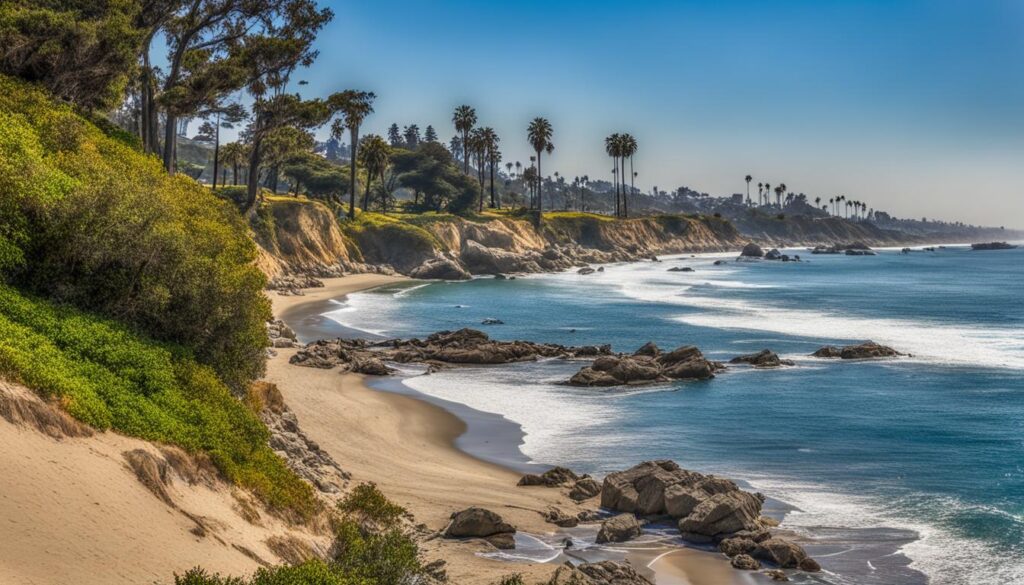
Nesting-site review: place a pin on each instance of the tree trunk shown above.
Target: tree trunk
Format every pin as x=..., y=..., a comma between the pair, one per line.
x=170, y=140
x=465, y=152
x=492, y=187
x=354, y=135
x=216, y=153
x=632, y=189
x=540, y=186
x=252, y=189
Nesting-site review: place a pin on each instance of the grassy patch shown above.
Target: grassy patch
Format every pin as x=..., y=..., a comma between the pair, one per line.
x=107, y=376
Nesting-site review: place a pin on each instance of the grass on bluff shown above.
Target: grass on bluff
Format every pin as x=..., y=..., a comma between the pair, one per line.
x=109, y=377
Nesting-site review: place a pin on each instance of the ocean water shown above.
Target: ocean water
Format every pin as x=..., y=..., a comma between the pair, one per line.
x=897, y=471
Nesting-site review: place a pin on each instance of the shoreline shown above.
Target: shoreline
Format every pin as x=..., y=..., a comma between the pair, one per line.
x=409, y=447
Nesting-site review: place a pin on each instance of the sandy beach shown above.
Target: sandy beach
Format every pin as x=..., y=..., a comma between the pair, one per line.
x=407, y=447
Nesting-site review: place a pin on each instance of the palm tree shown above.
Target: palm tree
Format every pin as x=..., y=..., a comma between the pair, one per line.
x=355, y=107
x=374, y=154
x=767, y=194
x=748, y=179
x=491, y=156
x=817, y=201
x=519, y=169
x=233, y=154
x=539, y=136
x=613, y=147
x=477, y=148
x=760, y=195
x=508, y=168
x=464, y=119
x=629, y=147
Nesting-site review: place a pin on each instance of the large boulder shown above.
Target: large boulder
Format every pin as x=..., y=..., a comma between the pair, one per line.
x=737, y=545
x=618, y=529
x=616, y=371
x=745, y=562
x=481, y=523
x=686, y=362
x=722, y=514
x=866, y=350
x=440, y=268
x=649, y=349
x=781, y=552
x=602, y=573
x=765, y=358
x=641, y=489
x=752, y=250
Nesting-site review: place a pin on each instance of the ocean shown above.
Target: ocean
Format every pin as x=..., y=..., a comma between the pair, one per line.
x=908, y=470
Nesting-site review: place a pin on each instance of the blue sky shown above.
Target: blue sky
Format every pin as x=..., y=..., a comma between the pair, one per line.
x=912, y=106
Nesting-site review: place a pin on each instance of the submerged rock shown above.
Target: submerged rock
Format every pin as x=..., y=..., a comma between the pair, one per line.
x=993, y=246
x=492, y=321
x=765, y=358
x=680, y=269
x=866, y=350
x=586, y=270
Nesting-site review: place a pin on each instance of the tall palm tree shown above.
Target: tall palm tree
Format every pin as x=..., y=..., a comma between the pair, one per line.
x=613, y=147
x=464, y=119
x=355, y=107
x=629, y=147
x=760, y=195
x=817, y=201
x=539, y=136
x=767, y=194
x=233, y=154
x=491, y=156
x=508, y=168
x=748, y=179
x=374, y=154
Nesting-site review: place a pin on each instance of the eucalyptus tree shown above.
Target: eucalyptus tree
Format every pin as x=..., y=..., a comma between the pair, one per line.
x=539, y=133
x=464, y=118
x=354, y=106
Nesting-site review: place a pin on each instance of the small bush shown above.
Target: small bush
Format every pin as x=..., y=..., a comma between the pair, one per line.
x=367, y=502
x=387, y=558
x=313, y=572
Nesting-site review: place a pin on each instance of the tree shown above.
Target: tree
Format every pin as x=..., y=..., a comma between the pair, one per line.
x=412, y=136
x=492, y=157
x=375, y=155
x=223, y=117
x=282, y=145
x=455, y=146
x=83, y=52
x=748, y=179
x=430, y=135
x=629, y=147
x=477, y=148
x=395, y=136
x=614, y=147
x=354, y=106
x=539, y=136
x=234, y=155
x=464, y=119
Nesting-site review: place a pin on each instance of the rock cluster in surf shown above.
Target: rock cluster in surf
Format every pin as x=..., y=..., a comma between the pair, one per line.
x=648, y=364
x=866, y=350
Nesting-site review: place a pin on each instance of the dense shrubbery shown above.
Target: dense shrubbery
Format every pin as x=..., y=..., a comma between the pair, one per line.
x=313, y=572
x=105, y=375
x=87, y=220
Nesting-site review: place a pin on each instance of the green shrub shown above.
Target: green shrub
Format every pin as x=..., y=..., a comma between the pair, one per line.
x=87, y=220
x=313, y=572
x=107, y=376
x=514, y=579
x=367, y=502
x=387, y=558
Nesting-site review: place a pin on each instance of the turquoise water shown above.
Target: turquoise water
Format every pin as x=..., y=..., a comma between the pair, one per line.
x=915, y=461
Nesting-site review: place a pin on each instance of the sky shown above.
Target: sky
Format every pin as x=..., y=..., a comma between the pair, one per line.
x=915, y=107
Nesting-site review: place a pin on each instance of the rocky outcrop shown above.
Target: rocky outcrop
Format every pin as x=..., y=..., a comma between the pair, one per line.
x=765, y=358
x=618, y=528
x=440, y=268
x=993, y=246
x=745, y=562
x=866, y=350
x=603, y=573
x=720, y=514
x=785, y=554
x=584, y=489
x=643, y=367
x=465, y=346
x=481, y=523
x=554, y=477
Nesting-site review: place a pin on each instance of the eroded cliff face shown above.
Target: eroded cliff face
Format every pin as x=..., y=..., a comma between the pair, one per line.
x=807, y=231
x=300, y=237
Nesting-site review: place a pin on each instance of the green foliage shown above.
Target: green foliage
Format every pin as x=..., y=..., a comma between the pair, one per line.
x=107, y=376
x=386, y=558
x=89, y=221
x=514, y=579
x=313, y=572
x=81, y=51
x=376, y=234
x=367, y=502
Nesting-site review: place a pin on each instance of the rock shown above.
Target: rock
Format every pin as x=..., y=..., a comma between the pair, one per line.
x=481, y=523
x=584, y=489
x=600, y=268
x=773, y=254
x=866, y=350
x=641, y=488
x=752, y=250
x=602, y=573
x=492, y=321
x=720, y=262
x=809, y=565
x=861, y=253
x=618, y=529
x=777, y=575
x=993, y=246
x=551, y=478
x=680, y=269
x=762, y=359
x=723, y=513
x=745, y=562
x=560, y=518
x=649, y=349
x=440, y=269
x=586, y=270
x=371, y=366
x=781, y=552
x=686, y=362
x=736, y=545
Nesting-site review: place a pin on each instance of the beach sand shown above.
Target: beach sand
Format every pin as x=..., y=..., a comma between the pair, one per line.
x=407, y=447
